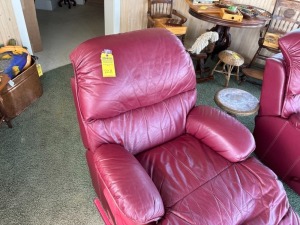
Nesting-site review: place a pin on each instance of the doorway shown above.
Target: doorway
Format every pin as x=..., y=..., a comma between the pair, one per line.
x=62, y=29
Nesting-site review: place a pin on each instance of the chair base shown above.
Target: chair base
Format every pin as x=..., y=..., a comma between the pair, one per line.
x=270, y=134
x=102, y=212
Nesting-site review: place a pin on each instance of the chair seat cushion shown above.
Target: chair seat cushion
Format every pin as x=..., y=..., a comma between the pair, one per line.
x=194, y=181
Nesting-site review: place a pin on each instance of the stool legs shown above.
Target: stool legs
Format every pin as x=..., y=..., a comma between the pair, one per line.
x=227, y=71
x=213, y=70
x=238, y=74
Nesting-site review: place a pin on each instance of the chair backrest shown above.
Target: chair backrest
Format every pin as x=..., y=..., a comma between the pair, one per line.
x=146, y=104
x=280, y=94
x=290, y=48
x=285, y=18
x=160, y=8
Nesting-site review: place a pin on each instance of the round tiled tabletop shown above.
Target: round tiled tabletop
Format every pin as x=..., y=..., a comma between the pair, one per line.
x=236, y=101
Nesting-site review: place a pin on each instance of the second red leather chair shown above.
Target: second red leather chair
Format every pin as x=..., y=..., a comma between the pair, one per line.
x=277, y=126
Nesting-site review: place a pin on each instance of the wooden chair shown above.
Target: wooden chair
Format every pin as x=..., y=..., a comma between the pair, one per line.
x=67, y=2
x=200, y=60
x=285, y=18
x=161, y=14
x=200, y=51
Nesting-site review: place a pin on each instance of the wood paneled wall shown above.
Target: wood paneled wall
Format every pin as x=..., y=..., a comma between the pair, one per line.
x=244, y=40
x=8, y=24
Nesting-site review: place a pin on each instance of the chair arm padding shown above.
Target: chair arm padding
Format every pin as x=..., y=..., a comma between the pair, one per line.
x=220, y=131
x=129, y=188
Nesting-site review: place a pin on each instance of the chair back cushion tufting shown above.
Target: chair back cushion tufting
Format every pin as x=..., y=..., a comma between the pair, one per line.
x=136, y=104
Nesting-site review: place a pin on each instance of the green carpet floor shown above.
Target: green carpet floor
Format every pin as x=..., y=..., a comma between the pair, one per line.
x=44, y=177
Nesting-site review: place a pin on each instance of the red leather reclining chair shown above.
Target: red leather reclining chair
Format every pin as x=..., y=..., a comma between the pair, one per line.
x=156, y=157
x=277, y=126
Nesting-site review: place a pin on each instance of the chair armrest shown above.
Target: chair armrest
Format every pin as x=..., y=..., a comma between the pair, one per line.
x=273, y=87
x=182, y=17
x=129, y=190
x=223, y=133
x=294, y=119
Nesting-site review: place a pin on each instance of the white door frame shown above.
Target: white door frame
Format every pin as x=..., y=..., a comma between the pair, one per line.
x=112, y=11
x=18, y=11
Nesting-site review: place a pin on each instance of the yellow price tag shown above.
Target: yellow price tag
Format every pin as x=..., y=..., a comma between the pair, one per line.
x=236, y=56
x=39, y=69
x=108, y=65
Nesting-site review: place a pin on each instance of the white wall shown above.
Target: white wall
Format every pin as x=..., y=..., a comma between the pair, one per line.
x=112, y=16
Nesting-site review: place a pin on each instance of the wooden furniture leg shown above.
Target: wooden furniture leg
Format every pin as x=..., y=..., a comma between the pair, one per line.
x=3, y=117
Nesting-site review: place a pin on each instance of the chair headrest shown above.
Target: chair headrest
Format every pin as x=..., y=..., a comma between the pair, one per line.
x=151, y=65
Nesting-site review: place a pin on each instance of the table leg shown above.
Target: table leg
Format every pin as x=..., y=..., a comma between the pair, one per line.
x=224, y=39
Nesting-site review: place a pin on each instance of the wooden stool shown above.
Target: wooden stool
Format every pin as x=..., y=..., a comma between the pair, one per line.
x=230, y=59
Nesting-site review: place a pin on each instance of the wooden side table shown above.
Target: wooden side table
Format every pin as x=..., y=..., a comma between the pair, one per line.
x=236, y=102
x=222, y=26
x=3, y=82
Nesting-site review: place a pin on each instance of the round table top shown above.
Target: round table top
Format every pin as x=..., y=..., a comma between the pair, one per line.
x=216, y=19
x=236, y=101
